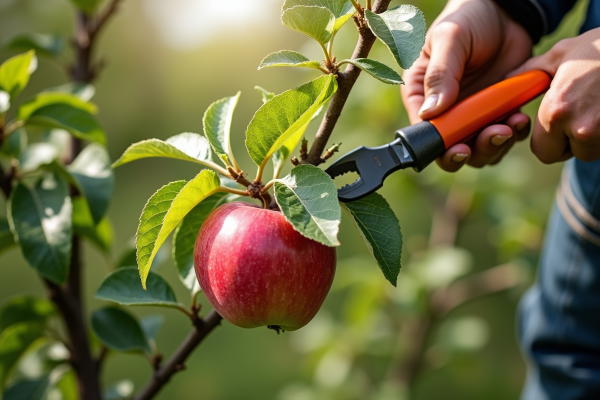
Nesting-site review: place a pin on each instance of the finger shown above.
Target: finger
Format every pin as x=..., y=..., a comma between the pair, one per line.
x=455, y=157
x=413, y=92
x=549, y=141
x=449, y=54
x=488, y=144
x=520, y=124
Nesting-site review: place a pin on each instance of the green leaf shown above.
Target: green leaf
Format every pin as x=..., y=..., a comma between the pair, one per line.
x=25, y=309
x=49, y=98
x=266, y=95
x=342, y=10
x=4, y=102
x=86, y=5
x=91, y=169
x=63, y=111
x=151, y=325
x=308, y=199
x=120, y=390
x=14, y=342
x=280, y=156
x=40, y=219
x=83, y=91
x=217, y=125
x=288, y=58
x=35, y=156
x=282, y=116
x=185, y=146
x=316, y=22
x=402, y=29
x=377, y=70
x=6, y=237
x=15, y=73
x=101, y=234
x=185, y=239
x=165, y=210
x=119, y=330
x=380, y=230
x=67, y=384
x=15, y=144
x=28, y=390
x=123, y=287
x=47, y=45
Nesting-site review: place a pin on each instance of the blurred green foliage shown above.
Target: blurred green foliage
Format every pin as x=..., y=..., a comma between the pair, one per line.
x=358, y=345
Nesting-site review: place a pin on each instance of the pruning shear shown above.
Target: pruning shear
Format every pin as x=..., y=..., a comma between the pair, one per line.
x=418, y=145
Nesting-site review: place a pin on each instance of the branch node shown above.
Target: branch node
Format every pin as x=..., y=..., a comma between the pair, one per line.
x=331, y=151
x=238, y=177
x=156, y=361
x=295, y=161
x=180, y=367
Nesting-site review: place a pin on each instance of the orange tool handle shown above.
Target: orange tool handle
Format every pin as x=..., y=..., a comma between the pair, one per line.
x=463, y=120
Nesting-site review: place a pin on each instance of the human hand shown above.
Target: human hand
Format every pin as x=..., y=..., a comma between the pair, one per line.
x=470, y=46
x=568, y=121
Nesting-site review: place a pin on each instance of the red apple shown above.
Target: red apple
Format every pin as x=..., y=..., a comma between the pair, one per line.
x=256, y=270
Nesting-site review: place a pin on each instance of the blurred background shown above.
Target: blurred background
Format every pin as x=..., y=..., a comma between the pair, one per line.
x=477, y=232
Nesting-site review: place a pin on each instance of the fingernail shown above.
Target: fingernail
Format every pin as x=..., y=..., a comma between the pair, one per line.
x=521, y=126
x=459, y=157
x=499, y=140
x=429, y=103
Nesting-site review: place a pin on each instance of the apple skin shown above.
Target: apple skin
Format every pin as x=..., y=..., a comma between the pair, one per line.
x=256, y=270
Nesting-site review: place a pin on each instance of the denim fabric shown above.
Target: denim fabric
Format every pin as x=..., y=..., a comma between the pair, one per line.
x=559, y=318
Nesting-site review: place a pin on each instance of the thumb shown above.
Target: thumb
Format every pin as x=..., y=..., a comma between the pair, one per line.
x=445, y=70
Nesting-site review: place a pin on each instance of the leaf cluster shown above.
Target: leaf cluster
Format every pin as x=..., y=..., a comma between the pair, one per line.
x=43, y=212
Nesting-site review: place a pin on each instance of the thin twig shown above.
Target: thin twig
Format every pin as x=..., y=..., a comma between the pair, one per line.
x=101, y=20
x=493, y=280
x=346, y=81
x=177, y=361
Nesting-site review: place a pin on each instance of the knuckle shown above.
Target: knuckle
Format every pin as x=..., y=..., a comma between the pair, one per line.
x=585, y=134
x=447, y=30
x=435, y=76
x=557, y=111
x=560, y=48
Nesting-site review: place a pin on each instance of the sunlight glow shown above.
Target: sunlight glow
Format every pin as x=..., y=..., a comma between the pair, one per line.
x=186, y=24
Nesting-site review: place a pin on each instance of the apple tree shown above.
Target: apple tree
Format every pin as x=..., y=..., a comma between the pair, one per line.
x=59, y=186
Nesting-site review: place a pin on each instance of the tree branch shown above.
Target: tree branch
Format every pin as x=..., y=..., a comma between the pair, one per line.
x=68, y=299
x=176, y=363
x=86, y=369
x=346, y=81
x=490, y=281
x=100, y=21
x=6, y=181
